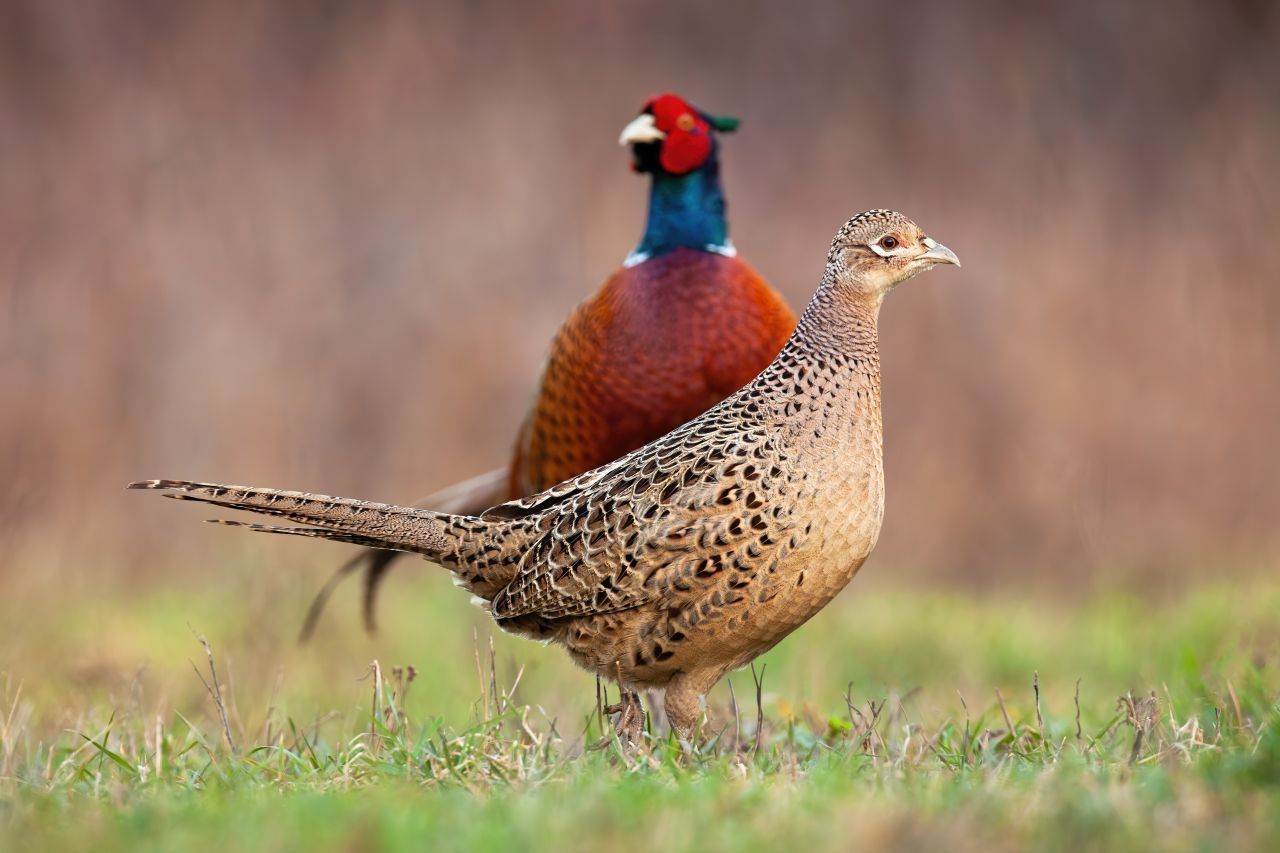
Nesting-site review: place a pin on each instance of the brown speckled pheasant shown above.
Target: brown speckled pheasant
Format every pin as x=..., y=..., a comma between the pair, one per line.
x=698, y=552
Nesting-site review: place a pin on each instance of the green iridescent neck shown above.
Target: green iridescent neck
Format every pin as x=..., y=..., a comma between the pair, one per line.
x=685, y=211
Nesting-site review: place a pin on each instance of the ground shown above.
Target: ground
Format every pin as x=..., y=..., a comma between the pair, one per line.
x=897, y=718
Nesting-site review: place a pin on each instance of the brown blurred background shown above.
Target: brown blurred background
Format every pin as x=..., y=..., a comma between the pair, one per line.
x=324, y=245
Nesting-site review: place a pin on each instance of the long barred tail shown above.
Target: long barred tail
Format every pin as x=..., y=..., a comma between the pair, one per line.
x=469, y=497
x=375, y=525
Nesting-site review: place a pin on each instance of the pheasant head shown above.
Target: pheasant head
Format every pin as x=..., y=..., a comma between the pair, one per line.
x=672, y=136
x=675, y=144
x=879, y=249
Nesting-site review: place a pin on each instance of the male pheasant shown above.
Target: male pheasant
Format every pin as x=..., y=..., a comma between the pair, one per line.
x=698, y=552
x=683, y=324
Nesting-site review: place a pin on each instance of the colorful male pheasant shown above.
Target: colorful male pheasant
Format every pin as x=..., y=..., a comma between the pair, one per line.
x=683, y=324
x=698, y=552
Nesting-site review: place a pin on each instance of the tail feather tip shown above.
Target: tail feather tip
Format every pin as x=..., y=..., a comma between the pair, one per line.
x=156, y=484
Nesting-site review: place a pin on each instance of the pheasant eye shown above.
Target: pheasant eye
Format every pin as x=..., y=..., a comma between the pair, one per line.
x=889, y=242
x=685, y=122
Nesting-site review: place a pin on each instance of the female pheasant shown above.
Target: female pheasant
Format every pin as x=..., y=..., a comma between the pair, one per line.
x=693, y=555
x=682, y=325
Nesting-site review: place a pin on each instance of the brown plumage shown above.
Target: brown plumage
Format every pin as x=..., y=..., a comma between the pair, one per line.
x=701, y=550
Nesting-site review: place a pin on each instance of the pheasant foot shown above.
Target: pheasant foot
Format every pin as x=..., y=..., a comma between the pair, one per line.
x=629, y=724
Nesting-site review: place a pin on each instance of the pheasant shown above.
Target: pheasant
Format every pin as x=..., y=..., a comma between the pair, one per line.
x=683, y=324
x=691, y=556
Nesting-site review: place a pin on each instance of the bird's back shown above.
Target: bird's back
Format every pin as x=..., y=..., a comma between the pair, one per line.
x=657, y=345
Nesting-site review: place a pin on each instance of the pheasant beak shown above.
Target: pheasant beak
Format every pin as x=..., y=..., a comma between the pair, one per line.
x=936, y=253
x=641, y=129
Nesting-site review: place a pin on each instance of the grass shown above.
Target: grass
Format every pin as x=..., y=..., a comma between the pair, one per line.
x=896, y=718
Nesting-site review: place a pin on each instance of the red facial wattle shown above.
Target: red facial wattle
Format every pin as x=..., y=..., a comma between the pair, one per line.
x=688, y=135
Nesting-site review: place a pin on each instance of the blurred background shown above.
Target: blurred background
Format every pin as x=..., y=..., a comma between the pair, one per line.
x=324, y=245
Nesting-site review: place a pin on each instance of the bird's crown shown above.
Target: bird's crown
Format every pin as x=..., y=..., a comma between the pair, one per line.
x=862, y=228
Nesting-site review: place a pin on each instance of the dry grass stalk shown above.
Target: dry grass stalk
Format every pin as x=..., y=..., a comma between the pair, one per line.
x=9, y=734
x=1035, y=686
x=1142, y=715
x=1013, y=730
x=215, y=690
x=1235, y=703
x=375, y=705
x=1079, y=731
